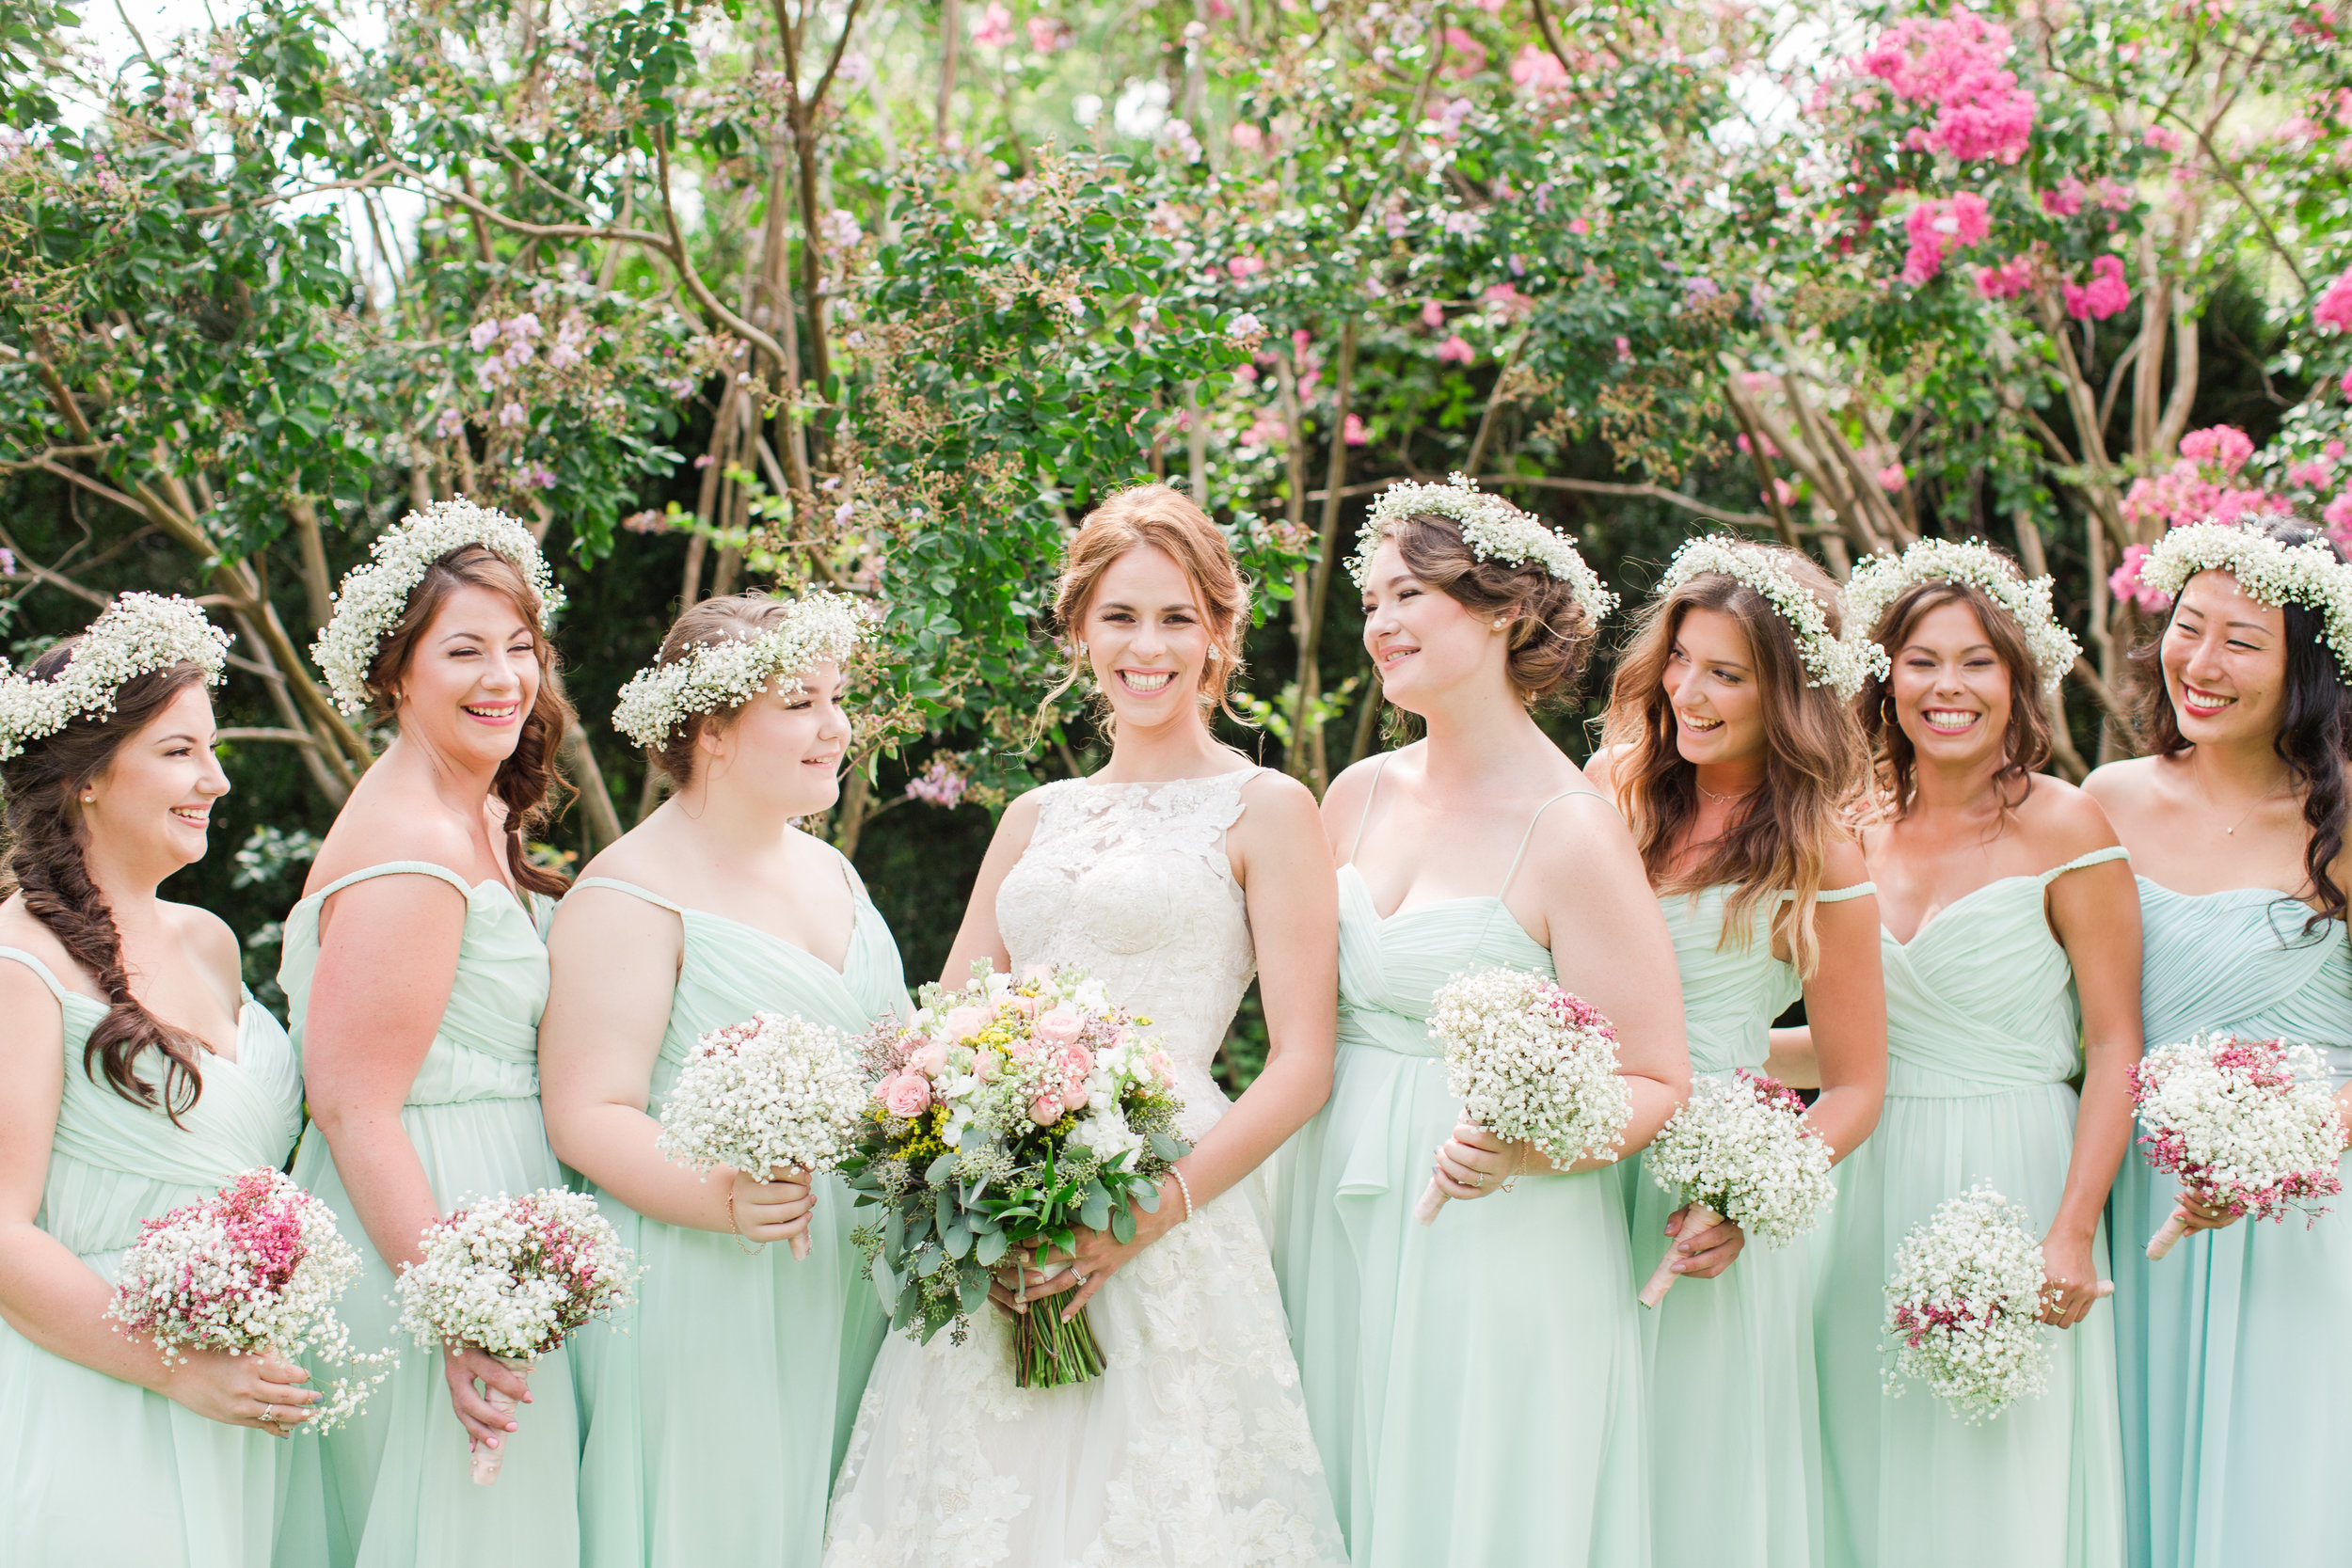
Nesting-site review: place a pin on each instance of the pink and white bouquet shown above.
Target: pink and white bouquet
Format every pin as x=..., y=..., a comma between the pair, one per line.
x=514, y=1276
x=2250, y=1126
x=1003, y=1117
x=1964, y=1305
x=1531, y=1063
x=1740, y=1149
x=768, y=1093
x=254, y=1269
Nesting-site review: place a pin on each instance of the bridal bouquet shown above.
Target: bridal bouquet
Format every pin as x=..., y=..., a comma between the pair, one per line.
x=1964, y=1302
x=1530, y=1062
x=514, y=1276
x=254, y=1269
x=765, y=1093
x=1741, y=1149
x=2250, y=1126
x=1001, y=1118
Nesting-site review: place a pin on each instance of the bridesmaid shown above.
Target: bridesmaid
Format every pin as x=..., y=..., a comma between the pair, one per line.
x=136, y=1075
x=415, y=976
x=2005, y=898
x=1732, y=749
x=1474, y=1385
x=2235, y=1428
x=715, y=1418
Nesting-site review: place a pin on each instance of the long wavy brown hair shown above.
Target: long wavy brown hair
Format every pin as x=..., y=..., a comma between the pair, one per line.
x=42, y=785
x=2024, y=745
x=1814, y=764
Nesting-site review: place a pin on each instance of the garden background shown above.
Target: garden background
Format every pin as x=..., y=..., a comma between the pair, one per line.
x=883, y=294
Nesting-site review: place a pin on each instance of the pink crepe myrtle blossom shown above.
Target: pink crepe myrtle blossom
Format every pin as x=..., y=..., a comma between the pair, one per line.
x=1891, y=479
x=2338, y=516
x=1470, y=55
x=1457, y=351
x=2008, y=280
x=1352, y=430
x=994, y=30
x=1624, y=351
x=2114, y=197
x=2310, y=476
x=2105, y=296
x=1245, y=266
x=1955, y=63
x=940, y=784
x=1537, y=70
x=1220, y=10
x=2161, y=138
x=2065, y=201
x=2124, y=582
x=1266, y=431
x=1938, y=227
x=1783, y=492
x=1245, y=137
x=449, y=423
x=511, y=415
x=1047, y=34
x=2225, y=447
x=1579, y=227
x=2200, y=485
x=1769, y=449
x=1394, y=223
x=1506, y=301
x=2334, y=309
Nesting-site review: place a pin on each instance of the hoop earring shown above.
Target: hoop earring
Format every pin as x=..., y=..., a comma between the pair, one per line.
x=1886, y=715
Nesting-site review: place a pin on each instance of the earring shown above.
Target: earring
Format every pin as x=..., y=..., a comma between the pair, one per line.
x=1082, y=647
x=89, y=797
x=1503, y=625
x=1214, y=655
x=1886, y=710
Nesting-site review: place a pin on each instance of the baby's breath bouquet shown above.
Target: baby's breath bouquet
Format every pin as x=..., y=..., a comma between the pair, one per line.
x=1531, y=1063
x=514, y=1276
x=1001, y=1118
x=1740, y=1149
x=1964, y=1302
x=2250, y=1126
x=765, y=1094
x=254, y=1269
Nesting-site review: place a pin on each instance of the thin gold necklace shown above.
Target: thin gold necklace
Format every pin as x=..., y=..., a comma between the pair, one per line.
x=1724, y=799
x=2230, y=831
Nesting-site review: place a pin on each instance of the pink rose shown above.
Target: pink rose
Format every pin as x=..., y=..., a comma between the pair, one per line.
x=930, y=1061
x=1024, y=1006
x=906, y=1094
x=963, y=1022
x=1045, y=1110
x=1039, y=973
x=1021, y=1049
x=984, y=1067
x=909, y=1045
x=1074, y=1097
x=1073, y=1063
x=1166, y=1069
x=1058, y=1026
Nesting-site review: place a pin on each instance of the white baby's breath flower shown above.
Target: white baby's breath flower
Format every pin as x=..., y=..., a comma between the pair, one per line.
x=1492, y=527
x=2270, y=571
x=1740, y=1146
x=139, y=634
x=1840, y=663
x=514, y=1276
x=1532, y=1063
x=1879, y=581
x=821, y=627
x=1963, y=1307
x=771, y=1091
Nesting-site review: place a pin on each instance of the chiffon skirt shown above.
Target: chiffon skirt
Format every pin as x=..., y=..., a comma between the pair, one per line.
x=1906, y=1485
x=391, y=1488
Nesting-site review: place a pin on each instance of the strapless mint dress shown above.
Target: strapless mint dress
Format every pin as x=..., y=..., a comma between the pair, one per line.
x=391, y=1489
x=2236, y=1364
x=717, y=1408
x=98, y=1473
x=1983, y=1033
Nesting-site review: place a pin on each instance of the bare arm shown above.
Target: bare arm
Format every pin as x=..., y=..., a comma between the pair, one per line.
x=978, y=938
x=1845, y=1009
x=2095, y=913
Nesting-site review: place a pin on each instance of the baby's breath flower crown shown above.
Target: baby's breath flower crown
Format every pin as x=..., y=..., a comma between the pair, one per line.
x=1879, y=580
x=1839, y=662
x=374, y=594
x=139, y=634
x=1492, y=527
x=2271, y=571
x=821, y=627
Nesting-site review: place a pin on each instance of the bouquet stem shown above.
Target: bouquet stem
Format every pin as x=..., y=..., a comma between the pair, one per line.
x=485, y=1460
x=1696, y=1218
x=1048, y=1353
x=2164, y=1239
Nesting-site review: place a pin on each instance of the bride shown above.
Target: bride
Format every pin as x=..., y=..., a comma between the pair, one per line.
x=1154, y=875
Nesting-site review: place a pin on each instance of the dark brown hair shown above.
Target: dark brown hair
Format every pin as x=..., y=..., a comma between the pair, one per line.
x=731, y=618
x=2026, y=744
x=525, y=779
x=1814, y=763
x=1551, y=636
x=42, y=785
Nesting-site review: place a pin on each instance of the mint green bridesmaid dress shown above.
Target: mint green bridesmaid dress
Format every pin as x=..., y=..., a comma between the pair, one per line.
x=1734, y=1429
x=1983, y=1033
x=1474, y=1386
x=392, y=1489
x=717, y=1410
x=2236, y=1366
x=100, y=1473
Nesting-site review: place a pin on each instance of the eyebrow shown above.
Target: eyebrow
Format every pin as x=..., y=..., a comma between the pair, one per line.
x=1186, y=604
x=468, y=634
x=1727, y=663
x=178, y=740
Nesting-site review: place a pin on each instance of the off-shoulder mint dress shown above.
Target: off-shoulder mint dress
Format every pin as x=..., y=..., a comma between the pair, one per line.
x=717, y=1410
x=96, y=1472
x=1983, y=1030
x=391, y=1488
x=1734, y=1434
x=2235, y=1354
x=1474, y=1385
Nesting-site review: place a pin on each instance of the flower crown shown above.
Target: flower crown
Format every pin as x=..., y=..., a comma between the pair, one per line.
x=820, y=628
x=1839, y=662
x=1878, y=582
x=2271, y=571
x=374, y=594
x=139, y=634
x=1492, y=527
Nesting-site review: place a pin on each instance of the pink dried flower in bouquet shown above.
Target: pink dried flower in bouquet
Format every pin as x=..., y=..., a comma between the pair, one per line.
x=2250, y=1126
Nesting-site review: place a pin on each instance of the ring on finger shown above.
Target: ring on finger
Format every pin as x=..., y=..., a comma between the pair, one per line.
x=269, y=1415
x=1076, y=1275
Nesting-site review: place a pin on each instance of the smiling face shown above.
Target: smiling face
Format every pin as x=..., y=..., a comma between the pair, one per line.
x=783, y=747
x=471, y=678
x=1146, y=639
x=1426, y=642
x=152, y=805
x=2224, y=658
x=1712, y=683
x=1951, y=692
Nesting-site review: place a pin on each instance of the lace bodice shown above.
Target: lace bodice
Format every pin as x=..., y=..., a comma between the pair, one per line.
x=1130, y=882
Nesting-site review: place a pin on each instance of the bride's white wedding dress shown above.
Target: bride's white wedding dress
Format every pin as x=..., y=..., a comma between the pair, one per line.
x=1193, y=1446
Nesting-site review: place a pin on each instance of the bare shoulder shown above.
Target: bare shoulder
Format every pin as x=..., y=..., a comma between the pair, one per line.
x=2063, y=821
x=376, y=835
x=212, y=944
x=2122, y=785
x=1601, y=767
x=1576, y=828
x=19, y=930
x=1280, y=800
x=638, y=855
x=1349, y=791
x=1842, y=864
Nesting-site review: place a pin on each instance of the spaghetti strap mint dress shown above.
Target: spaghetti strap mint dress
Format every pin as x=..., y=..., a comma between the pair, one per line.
x=100, y=1473
x=1983, y=1030
x=1474, y=1385
x=2237, y=1367
x=1734, y=1434
x=717, y=1408
x=391, y=1489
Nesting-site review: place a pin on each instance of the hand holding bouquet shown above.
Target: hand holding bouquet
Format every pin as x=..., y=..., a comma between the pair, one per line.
x=1740, y=1149
x=514, y=1276
x=1965, y=1303
x=765, y=1094
x=2249, y=1126
x=1531, y=1063
x=1003, y=1117
x=255, y=1270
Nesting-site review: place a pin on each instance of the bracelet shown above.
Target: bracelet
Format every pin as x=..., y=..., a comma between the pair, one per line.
x=748, y=1247
x=1518, y=1167
x=1184, y=1187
